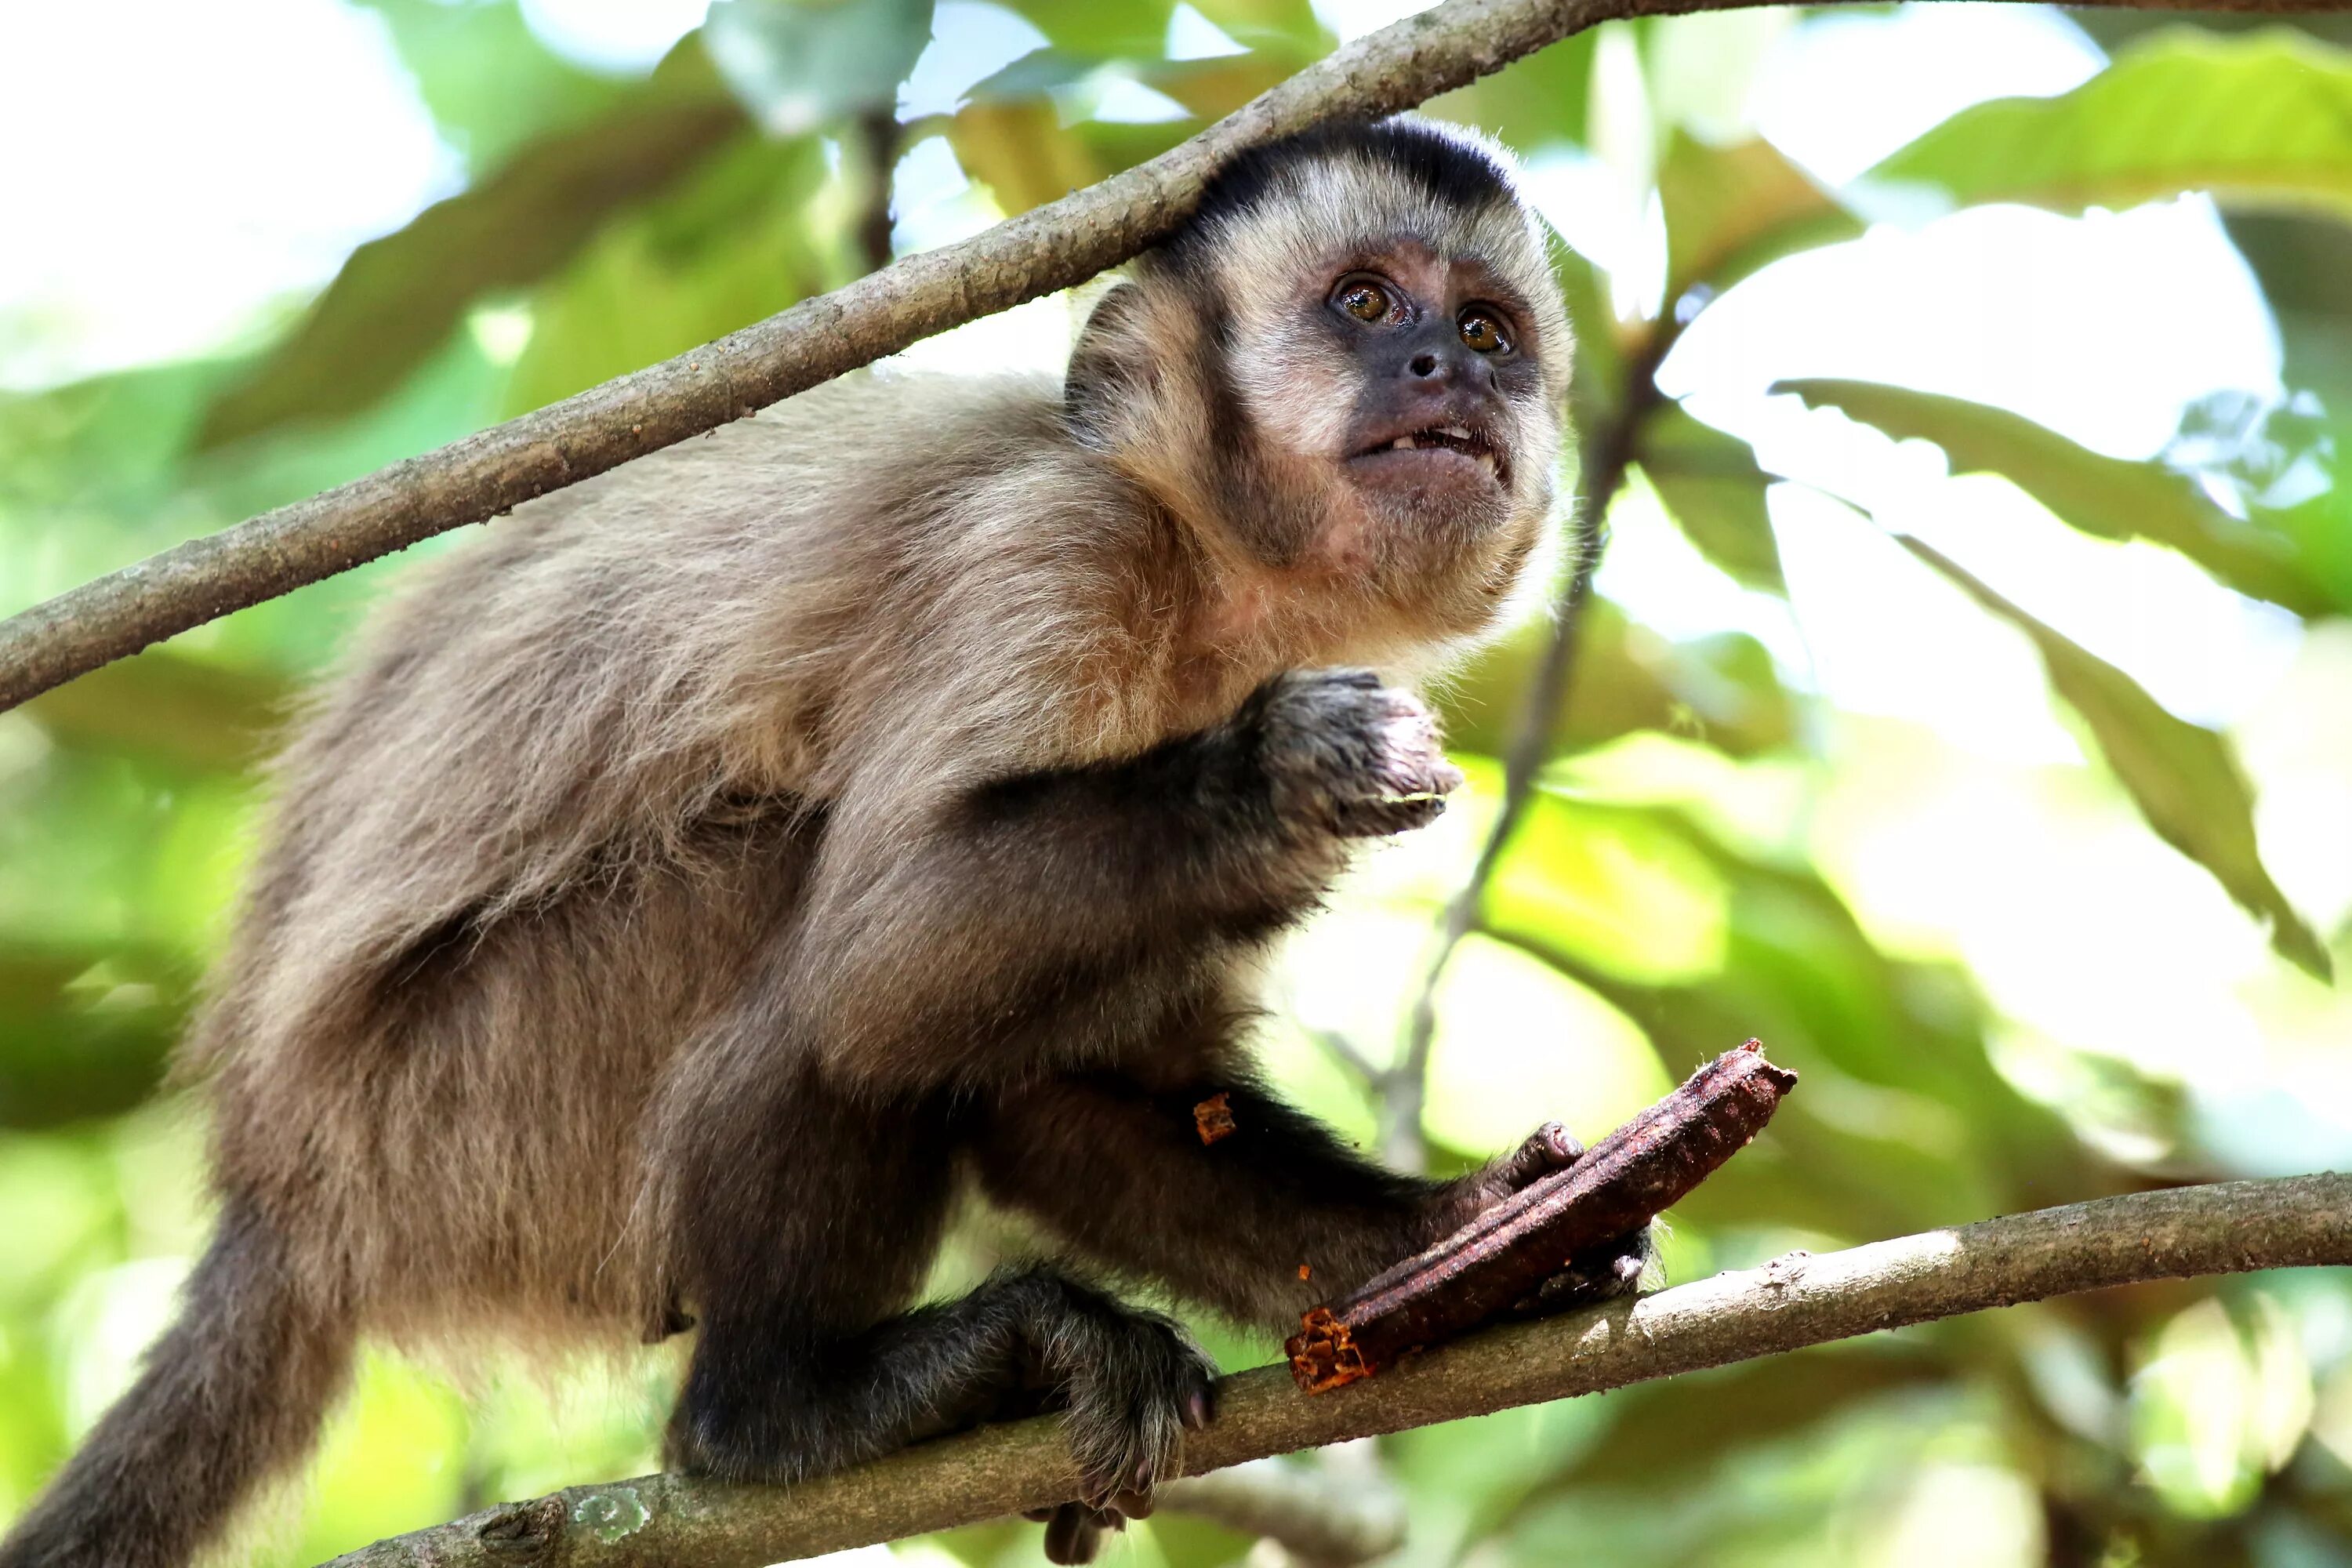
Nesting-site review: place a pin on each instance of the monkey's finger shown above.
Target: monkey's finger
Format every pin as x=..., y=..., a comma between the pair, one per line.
x=1200, y=1407
x=1548, y=1149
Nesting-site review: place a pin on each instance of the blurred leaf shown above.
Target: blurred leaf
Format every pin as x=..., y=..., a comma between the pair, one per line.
x=1133, y=30
x=1721, y=689
x=396, y=298
x=2112, y=498
x=739, y=239
x=490, y=83
x=84, y=1031
x=2299, y=260
x=1668, y=1436
x=2180, y=775
x=1020, y=151
x=1213, y=88
x=1536, y=101
x=1709, y=481
x=170, y=708
x=2263, y=120
x=1597, y=382
x=1906, y=1122
x=801, y=64
x=1731, y=210
x=1289, y=26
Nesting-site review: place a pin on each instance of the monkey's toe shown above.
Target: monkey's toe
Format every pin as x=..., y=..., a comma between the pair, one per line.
x=1600, y=1273
x=1130, y=1401
x=1075, y=1532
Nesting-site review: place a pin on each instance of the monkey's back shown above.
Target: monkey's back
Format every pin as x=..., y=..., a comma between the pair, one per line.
x=569, y=785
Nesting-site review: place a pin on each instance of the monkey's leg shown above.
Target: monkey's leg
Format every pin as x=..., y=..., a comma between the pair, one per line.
x=1260, y=1224
x=804, y=1221
x=929, y=950
x=787, y=1399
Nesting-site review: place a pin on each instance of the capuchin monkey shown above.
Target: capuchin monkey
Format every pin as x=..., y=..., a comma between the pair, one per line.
x=693, y=888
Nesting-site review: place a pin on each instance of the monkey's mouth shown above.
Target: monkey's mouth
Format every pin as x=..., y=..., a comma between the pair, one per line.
x=1441, y=447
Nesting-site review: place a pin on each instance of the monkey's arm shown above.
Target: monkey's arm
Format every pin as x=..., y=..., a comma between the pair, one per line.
x=1045, y=920
x=1260, y=1224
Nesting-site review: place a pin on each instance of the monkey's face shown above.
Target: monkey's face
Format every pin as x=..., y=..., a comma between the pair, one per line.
x=1356, y=360
x=1437, y=392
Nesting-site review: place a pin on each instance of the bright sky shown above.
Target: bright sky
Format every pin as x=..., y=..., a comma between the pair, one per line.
x=201, y=167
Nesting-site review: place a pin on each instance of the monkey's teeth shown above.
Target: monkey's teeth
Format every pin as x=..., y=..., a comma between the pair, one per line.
x=1456, y=431
x=1405, y=444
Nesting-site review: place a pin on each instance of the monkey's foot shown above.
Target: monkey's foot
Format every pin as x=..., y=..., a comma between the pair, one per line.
x=1131, y=1384
x=1599, y=1273
x=1350, y=754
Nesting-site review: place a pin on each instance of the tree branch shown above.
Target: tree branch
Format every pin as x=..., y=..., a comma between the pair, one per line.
x=665, y=1521
x=1052, y=247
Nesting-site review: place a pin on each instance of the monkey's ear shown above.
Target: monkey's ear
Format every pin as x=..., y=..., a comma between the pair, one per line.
x=1110, y=369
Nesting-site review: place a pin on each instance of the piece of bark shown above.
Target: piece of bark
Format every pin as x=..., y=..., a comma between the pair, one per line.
x=1504, y=1256
x=1213, y=1117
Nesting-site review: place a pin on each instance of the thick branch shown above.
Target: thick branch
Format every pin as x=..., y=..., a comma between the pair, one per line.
x=663, y=1522
x=1052, y=247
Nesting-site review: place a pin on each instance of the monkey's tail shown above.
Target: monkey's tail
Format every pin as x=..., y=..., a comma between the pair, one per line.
x=232, y=1394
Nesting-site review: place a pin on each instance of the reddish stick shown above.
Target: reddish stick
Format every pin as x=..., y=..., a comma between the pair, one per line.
x=1504, y=1254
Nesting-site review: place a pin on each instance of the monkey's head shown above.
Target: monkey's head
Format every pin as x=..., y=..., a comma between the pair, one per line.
x=1350, y=363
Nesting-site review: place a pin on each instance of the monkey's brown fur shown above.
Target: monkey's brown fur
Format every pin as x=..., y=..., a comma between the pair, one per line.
x=689, y=885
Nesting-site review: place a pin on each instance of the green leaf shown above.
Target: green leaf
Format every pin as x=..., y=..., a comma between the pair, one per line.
x=801, y=64
x=396, y=298
x=1710, y=482
x=738, y=241
x=1132, y=31
x=2111, y=498
x=2182, y=776
x=1731, y=210
x=169, y=708
x=1718, y=688
x=2263, y=120
x=1538, y=100
x=1905, y=1122
x=491, y=85
x=84, y=1031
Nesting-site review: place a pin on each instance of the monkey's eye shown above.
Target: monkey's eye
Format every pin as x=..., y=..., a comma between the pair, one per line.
x=1483, y=332
x=1364, y=299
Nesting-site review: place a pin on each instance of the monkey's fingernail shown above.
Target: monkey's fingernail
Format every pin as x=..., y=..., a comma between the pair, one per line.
x=1196, y=1409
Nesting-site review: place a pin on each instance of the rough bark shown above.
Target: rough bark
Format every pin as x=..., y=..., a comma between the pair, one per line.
x=1049, y=248
x=672, y=1522
x=1509, y=1252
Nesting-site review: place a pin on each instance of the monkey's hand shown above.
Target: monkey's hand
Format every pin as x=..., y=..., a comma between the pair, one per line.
x=1349, y=754
x=1608, y=1270
x=1131, y=1384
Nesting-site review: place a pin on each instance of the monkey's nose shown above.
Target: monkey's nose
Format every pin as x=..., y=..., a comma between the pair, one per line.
x=1424, y=364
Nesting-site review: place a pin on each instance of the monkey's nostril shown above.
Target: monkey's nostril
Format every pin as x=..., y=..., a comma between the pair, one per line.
x=1424, y=364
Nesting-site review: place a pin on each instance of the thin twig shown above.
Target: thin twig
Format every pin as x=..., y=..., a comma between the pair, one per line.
x=1322, y=1521
x=658, y=1522
x=1052, y=247
x=1608, y=447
